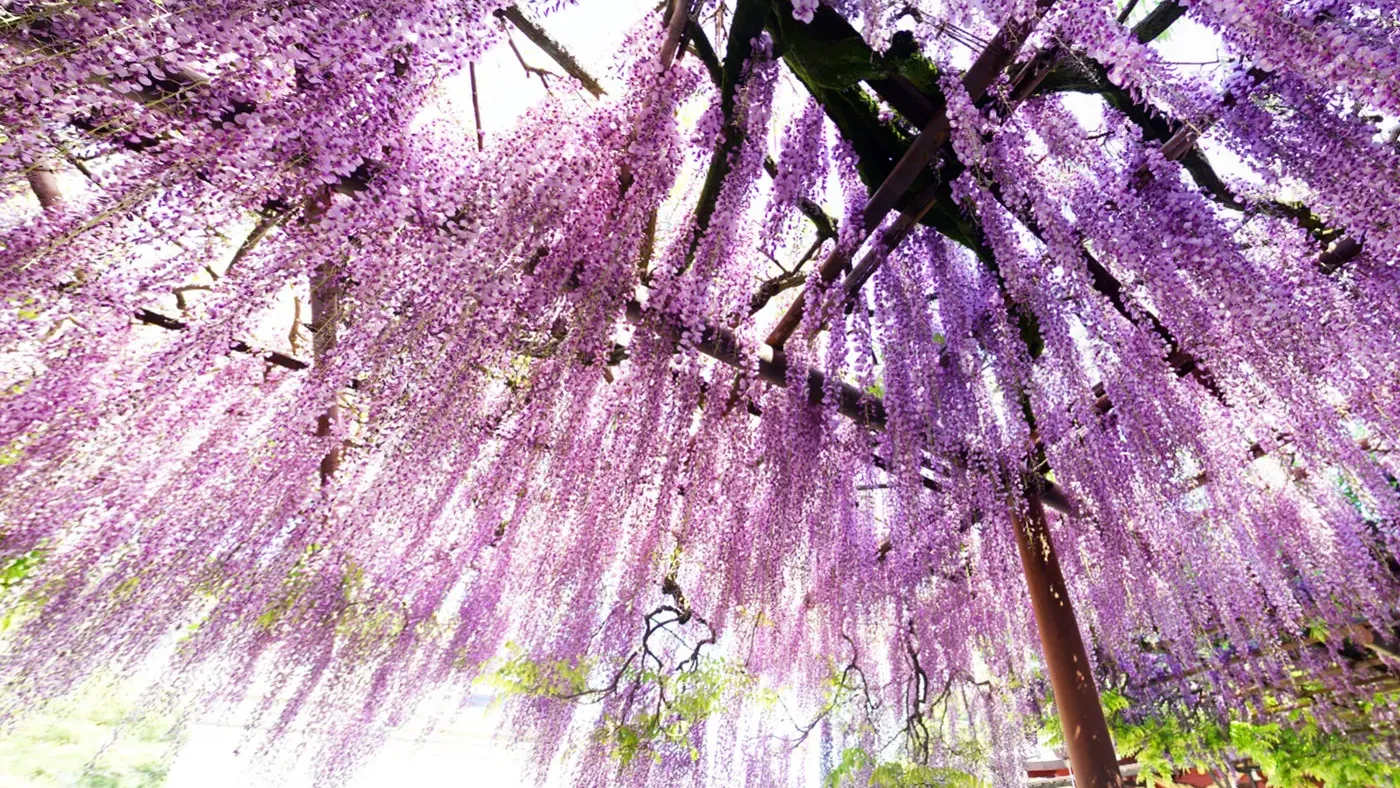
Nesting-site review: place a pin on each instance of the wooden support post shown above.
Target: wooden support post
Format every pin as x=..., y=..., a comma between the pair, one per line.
x=1091, y=756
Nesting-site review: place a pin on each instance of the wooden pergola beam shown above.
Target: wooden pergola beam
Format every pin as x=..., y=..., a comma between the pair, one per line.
x=990, y=64
x=722, y=345
x=1092, y=758
x=273, y=357
x=718, y=343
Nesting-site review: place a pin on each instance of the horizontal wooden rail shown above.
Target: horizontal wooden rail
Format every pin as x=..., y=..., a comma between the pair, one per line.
x=984, y=71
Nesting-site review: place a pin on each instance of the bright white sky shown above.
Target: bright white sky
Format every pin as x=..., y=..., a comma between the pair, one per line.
x=465, y=755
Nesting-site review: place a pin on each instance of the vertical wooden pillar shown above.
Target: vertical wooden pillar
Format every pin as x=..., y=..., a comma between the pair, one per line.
x=1092, y=758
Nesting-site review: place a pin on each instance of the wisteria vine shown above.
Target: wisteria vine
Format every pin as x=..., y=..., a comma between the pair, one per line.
x=525, y=430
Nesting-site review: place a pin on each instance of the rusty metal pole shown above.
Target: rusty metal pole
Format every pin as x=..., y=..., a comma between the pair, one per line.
x=1092, y=759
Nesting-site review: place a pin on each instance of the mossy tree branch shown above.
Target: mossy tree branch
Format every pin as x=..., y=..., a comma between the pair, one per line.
x=830, y=59
x=1081, y=74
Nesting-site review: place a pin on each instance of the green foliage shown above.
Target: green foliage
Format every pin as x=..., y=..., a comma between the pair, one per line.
x=11, y=454
x=18, y=568
x=1299, y=756
x=91, y=739
x=689, y=697
x=553, y=678
x=856, y=762
x=1296, y=755
x=365, y=619
x=520, y=373
x=1138, y=12
x=15, y=602
x=296, y=584
x=26, y=308
x=679, y=700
